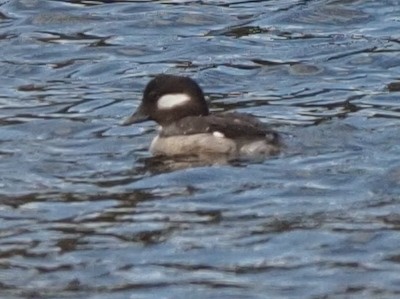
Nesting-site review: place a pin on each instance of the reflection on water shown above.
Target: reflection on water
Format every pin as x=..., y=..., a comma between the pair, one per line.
x=86, y=212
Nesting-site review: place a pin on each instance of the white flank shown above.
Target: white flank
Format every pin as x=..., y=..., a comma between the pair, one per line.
x=218, y=134
x=169, y=101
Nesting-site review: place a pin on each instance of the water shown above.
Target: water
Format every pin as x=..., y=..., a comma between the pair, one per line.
x=85, y=212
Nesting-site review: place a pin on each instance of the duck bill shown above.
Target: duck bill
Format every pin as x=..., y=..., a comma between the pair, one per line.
x=137, y=117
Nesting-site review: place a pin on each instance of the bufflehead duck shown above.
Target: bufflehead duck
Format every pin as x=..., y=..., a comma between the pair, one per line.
x=177, y=104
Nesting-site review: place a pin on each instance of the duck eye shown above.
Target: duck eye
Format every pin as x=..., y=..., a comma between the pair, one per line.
x=152, y=95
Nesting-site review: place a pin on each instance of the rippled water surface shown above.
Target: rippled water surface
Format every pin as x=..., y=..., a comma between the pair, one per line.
x=86, y=212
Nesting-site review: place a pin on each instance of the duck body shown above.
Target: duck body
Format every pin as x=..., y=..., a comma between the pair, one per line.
x=177, y=104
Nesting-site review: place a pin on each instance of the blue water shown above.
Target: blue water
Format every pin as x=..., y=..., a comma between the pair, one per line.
x=86, y=212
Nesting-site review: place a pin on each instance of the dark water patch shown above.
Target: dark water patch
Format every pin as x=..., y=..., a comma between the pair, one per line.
x=239, y=31
x=325, y=14
x=393, y=86
x=305, y=69
x=55, y=18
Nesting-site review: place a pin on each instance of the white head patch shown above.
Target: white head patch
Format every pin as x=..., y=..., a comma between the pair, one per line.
x=169, y=101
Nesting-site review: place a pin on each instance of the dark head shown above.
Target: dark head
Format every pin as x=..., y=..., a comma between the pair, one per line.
x=168, y=98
